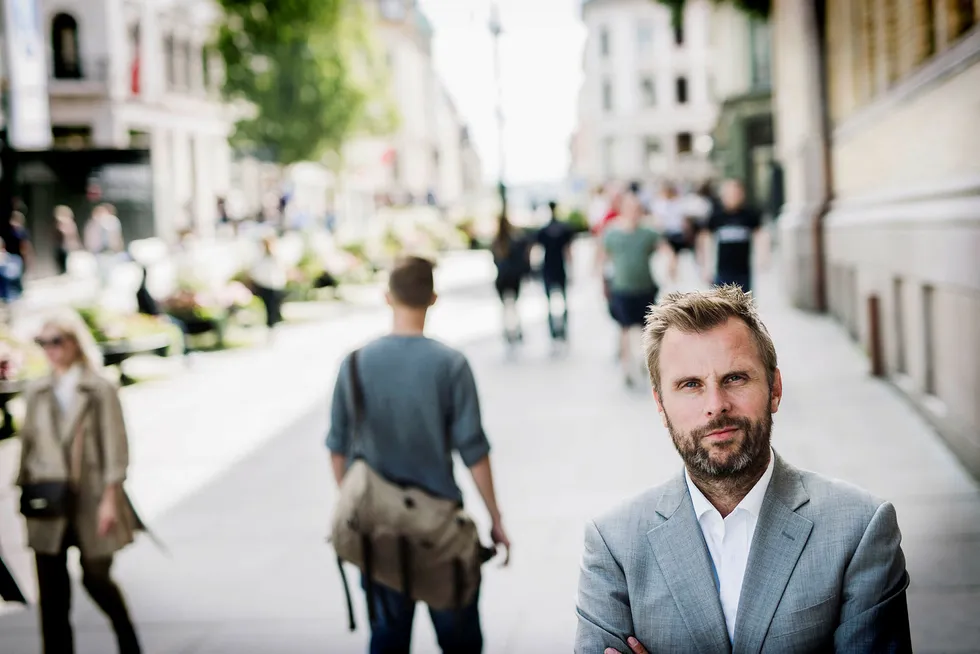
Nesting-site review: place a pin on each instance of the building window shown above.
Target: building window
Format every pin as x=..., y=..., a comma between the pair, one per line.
x=76, y=137
x=678, y=26
x=900, y=365
x=681, y=90
x=925, y=22
x=644, y=37
x=170, y=61
x=607, y=95
x=206, y=68
x=188, y=79
x=64, y=42
x=759, y=38
x=928, y=308
x=648, y=91
x=651, y=150
x=685, y=143
x=960, y=16
x=139, y=139
x=393, y=9
x=608, y=147
x=604, y=42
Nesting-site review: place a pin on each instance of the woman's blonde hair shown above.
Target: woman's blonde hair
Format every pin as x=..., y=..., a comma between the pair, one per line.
x=68, y=323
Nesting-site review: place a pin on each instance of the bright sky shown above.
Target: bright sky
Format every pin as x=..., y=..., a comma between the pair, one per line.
x=541, y=69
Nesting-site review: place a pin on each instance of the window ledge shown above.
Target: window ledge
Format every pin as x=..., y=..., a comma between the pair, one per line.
x=962, y=54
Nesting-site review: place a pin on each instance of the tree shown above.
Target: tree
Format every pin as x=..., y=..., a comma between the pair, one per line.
x=305, y=73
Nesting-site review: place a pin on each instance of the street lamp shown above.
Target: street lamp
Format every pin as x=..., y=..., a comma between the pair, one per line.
x=495, y=31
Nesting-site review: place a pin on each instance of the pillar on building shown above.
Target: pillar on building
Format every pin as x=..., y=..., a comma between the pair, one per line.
x=798, y=99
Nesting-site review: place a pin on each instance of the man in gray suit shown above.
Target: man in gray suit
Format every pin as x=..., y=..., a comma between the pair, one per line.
x=741, y=552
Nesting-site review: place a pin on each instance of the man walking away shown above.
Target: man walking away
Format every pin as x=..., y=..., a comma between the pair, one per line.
x=556, y=239
x=419, y=396
x=629, y=246
x=734, y=226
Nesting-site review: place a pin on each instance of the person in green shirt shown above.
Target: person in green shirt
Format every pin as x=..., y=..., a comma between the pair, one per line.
x=629, y=246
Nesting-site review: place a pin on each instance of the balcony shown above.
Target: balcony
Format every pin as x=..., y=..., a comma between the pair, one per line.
x=88, y=77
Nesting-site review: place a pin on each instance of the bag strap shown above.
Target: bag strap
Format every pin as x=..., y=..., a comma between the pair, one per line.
x=357, y=394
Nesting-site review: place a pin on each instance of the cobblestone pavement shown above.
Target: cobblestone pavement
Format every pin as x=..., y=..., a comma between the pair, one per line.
x=240, y=490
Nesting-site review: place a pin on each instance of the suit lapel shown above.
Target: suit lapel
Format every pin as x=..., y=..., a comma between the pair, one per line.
x=682, y=554
x=779, y=539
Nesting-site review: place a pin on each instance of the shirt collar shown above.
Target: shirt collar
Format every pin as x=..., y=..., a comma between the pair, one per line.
x=752, y=502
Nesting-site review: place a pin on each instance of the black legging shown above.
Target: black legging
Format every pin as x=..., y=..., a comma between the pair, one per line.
x=54, y=598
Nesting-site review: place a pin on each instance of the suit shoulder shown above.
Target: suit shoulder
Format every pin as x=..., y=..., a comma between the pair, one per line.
x=634, y=514
x=842, y=498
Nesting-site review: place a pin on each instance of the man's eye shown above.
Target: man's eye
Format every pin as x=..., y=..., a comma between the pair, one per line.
x=734, y=378
x=689, y=384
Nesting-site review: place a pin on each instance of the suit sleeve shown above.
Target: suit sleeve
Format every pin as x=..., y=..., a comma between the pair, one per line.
x=604, y=615
x=874, y=614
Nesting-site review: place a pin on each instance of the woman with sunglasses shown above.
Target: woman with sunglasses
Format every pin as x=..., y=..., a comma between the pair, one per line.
x=74, y=432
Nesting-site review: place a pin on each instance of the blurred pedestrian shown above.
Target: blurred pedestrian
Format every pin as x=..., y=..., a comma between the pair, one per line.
x=74, y=440
x=66, y=237
x=269, y=277
x=556, y=240
x=735, y=227
x=670, y=219
x=402, y=405
x=20, y=243
x=629, y=246
x=103, y=238
x=11, y=274
x=511, y=255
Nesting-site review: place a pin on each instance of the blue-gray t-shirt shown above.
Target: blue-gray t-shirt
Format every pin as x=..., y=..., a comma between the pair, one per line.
x=420, y=401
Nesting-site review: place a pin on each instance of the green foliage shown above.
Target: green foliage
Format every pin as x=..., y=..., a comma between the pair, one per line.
x=308, y=71
x=577, y=221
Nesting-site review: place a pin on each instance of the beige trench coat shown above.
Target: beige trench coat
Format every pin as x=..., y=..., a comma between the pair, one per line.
x=45, y=439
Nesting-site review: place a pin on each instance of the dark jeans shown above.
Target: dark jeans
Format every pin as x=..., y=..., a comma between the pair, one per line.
x=557, y=324
x=743, y=279
x=54, y=598
x=457, y=632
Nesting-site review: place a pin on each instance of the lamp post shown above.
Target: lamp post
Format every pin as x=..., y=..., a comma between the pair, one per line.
x=495, y=31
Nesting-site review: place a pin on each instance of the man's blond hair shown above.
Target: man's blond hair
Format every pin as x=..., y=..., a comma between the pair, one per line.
x=701, y=311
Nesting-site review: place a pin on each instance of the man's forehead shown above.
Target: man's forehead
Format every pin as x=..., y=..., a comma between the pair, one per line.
x=731, y=341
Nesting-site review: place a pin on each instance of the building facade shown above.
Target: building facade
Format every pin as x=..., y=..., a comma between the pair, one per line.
x=879, y=138
x=744, y=140
x=429, y=157
x=137, y=74
x=646, y=105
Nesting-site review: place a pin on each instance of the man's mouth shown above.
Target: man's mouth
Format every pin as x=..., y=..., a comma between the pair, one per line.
x=722, y=434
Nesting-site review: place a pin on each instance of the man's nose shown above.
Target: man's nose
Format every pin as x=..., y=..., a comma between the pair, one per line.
x=716, y=400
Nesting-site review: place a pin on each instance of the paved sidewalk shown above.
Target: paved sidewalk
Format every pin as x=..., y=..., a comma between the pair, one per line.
x=251, y=573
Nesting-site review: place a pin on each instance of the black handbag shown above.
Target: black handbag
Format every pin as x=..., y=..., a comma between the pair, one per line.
x=47, y=499
x=55, y=498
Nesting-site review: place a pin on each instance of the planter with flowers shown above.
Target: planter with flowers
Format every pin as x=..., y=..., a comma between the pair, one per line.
x=203, y=310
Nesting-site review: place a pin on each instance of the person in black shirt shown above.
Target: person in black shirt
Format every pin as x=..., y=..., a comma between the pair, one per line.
x=556, y=239
x=734, y=227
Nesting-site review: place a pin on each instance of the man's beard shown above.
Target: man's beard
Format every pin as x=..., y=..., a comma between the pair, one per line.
x=750, y=453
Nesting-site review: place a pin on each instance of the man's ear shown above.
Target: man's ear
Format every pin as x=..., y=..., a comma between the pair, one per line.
x=660, y=408
x=388, y=299
x=776, y=394
x=435, y=297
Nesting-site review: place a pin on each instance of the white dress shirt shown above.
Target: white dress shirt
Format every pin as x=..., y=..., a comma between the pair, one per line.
x=729, y=539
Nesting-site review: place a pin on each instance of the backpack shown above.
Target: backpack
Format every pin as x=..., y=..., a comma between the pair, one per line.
x=425, y=547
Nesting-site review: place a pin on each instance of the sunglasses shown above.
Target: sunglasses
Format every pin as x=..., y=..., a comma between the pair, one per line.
x=56, y=341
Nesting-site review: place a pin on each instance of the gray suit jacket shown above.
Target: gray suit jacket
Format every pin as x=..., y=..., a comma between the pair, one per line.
x=825, y=573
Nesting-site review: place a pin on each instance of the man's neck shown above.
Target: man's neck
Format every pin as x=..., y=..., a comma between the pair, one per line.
x=726, y=493
x=408, y=323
